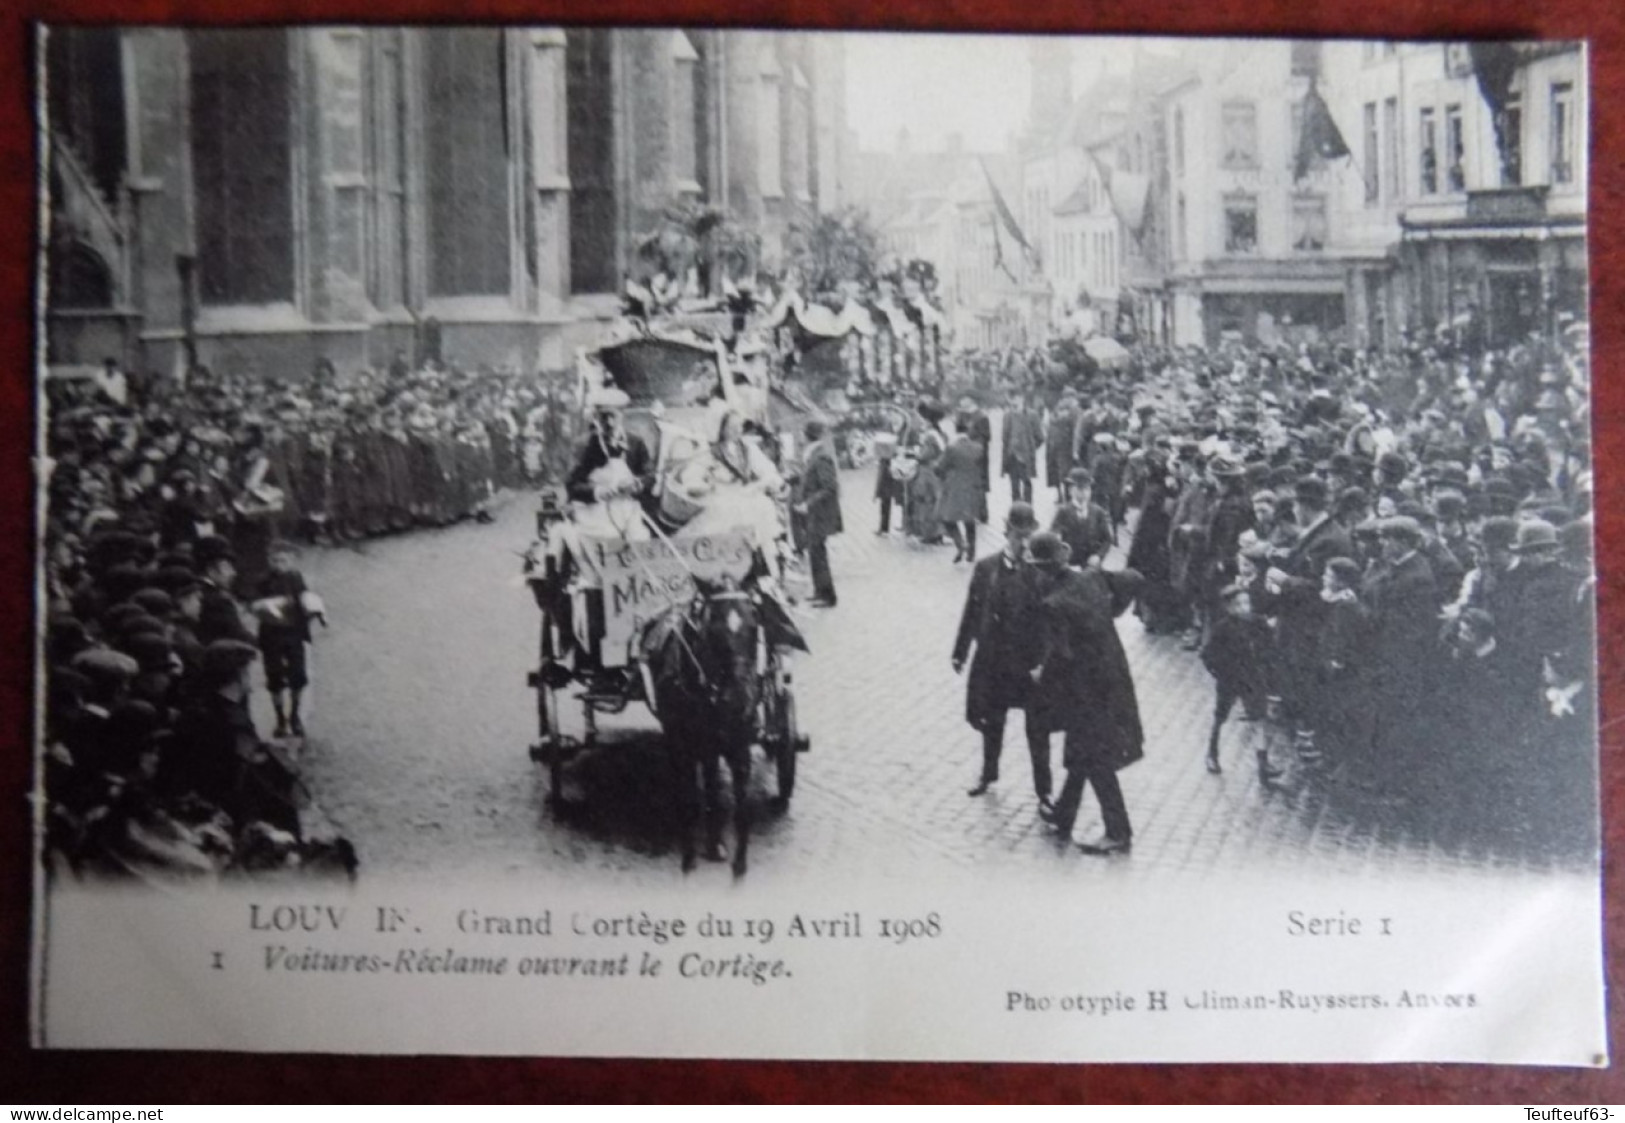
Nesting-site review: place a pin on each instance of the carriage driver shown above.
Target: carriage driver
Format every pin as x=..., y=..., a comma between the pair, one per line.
x=613, y=463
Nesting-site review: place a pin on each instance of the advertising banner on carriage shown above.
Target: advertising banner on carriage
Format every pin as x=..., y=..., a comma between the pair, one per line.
x=641, y=578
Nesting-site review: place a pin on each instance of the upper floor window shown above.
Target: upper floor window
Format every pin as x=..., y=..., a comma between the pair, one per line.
x=1455, y=149
x=1511, y=138
x=769, y=135
x=1562, y=131
x=242, y=173
x=466, y=162
x=1179, y=141
x=594, y=221
x=1391, y=147
x=1428, y=140
x=1240, y=224
x=1372, y=155
x=1240, y=134
x=1309, y=228
x=685, y=115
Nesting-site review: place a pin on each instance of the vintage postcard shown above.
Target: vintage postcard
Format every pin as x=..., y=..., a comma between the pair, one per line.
x=689, y=542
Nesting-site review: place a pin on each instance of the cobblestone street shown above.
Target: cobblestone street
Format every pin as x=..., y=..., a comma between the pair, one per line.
x=421, y=718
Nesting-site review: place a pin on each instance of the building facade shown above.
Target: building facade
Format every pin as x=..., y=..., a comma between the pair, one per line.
x=1459, y=207
x=272, y=197
x=1251, y=234
x=1492, y=231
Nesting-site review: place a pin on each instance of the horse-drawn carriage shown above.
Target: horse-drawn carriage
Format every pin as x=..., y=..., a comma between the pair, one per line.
x=672, y=598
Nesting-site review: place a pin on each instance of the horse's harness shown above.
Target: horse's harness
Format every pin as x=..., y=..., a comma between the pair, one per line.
x=713, y=689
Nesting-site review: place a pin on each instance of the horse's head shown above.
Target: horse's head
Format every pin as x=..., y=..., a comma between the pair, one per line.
x=727, y=629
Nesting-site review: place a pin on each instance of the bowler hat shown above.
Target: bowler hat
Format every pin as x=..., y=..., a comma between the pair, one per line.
x=1535, y=534
x=1449, y=504
x=1498, y=532
x=1049, y=550
x=1403, y=527
x=1022, y=517
x=1311, y=490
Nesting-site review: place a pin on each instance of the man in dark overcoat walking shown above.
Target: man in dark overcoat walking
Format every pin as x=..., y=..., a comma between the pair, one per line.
x=1084, y=688
x=1058, y=445
x=963, y=501
x=819, y=504
x=1023, y=437
x=977, y=425
x=1001, y=624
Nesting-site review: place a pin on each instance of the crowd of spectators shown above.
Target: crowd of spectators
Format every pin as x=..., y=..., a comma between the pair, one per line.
x=166, y=501
x=1386, y=557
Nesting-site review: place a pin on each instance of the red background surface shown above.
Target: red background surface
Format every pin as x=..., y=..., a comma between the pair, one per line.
x=28, y=1076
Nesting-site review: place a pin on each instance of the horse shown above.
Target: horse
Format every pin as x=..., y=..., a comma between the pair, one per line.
x=700, y=664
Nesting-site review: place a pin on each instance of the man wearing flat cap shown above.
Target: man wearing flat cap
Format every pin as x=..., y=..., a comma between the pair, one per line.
x=1001, y=624
x=1084, y=525
x=216, y=752
x=107, y=676
x=1084, y=689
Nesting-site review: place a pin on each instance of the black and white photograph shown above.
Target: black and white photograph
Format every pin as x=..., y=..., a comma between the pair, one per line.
x=991, y=531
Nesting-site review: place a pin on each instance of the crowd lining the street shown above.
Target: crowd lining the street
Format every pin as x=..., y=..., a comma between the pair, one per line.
x=168, y=573
x=1386, y=559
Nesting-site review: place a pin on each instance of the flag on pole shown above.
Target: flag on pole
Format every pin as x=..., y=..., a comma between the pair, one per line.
x=1008, y=221
x=1495, y=65
x=1320, y=138
x=998, y=255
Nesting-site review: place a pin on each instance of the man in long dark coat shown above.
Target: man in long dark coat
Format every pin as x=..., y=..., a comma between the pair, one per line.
x=820, y=506
x=1058, y=445
x=963, y=501
x=976, y=425
x=1023, y=437
x=1001, y=623
x=1403, y=600
x=1085, y=690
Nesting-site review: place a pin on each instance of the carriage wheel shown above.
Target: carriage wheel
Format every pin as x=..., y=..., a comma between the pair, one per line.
x=546, y=748
x=786, y=738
